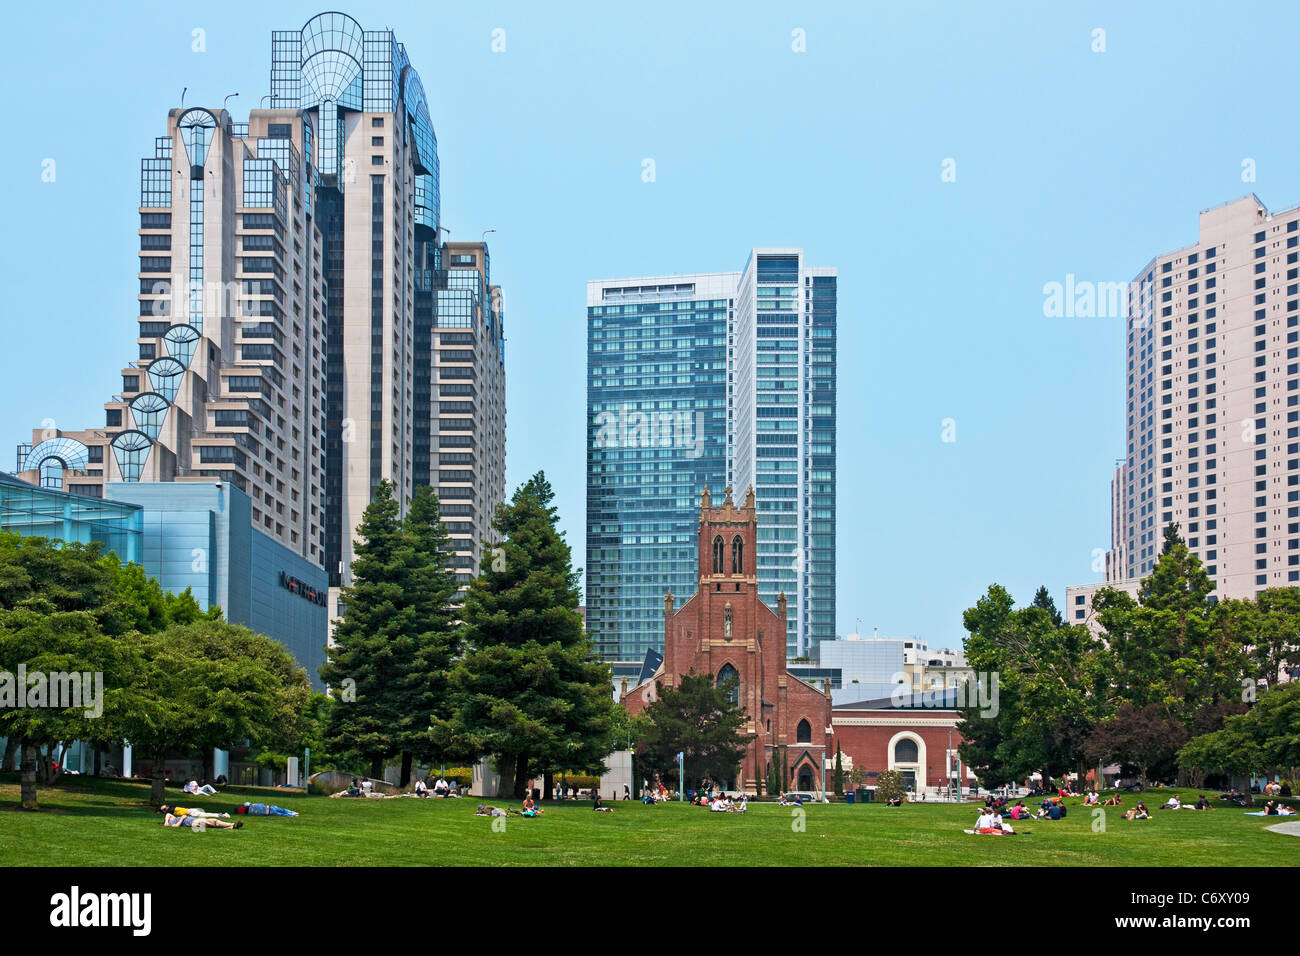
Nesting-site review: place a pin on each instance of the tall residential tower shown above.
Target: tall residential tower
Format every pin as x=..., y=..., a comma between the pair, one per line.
x=1212, y=419
x=718, y=380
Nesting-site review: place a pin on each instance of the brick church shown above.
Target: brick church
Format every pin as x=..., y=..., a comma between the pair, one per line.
x=725, y=630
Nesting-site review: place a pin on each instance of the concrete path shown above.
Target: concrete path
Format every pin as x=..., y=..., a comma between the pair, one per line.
x=1291, y=828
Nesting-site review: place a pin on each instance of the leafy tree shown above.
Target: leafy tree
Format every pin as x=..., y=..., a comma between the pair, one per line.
x=1052, y=689
x=891, y=785
x=1264, y=738
x=698, y=719
x=213, y=685
x=529, y=690
x=1141, y=737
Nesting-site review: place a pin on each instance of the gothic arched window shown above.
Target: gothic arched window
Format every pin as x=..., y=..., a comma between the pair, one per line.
x=717, y=555
x=737, y=555
x=803, y=733
x=729, y=673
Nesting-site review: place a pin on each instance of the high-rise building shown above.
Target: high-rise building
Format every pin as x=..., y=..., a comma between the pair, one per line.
x=720, y=380
x=303, y=331
x=781, y=432
x=228, y=379
x=1212, y=420
x=465, y=430
x=656, y=435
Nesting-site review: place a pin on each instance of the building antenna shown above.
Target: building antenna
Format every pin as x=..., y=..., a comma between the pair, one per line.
x=183, y=91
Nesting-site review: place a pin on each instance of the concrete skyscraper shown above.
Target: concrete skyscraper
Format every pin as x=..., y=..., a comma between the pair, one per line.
x=1212, y=419
x=722, y=380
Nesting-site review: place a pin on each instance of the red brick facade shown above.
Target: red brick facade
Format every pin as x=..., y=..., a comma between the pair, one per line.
x=724, y=627
x=912, y=740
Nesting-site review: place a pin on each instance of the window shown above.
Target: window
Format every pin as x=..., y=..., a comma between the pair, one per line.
x=737, y=555
x=803, y=733
x=728, y=675
x=906, y=751
x=717, y=554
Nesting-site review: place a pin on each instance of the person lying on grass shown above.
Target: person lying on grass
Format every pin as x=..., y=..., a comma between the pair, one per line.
x=1140, y=812
x=1114, y=801
x=1172, y=803
x=197, y=812
x=265, y=810
x=193, y=787
x=199, y=823
x=489, y=811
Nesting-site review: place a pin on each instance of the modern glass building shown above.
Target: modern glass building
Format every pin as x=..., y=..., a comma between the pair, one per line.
x=781, y=435
x=670, y=361
x=46, y=512
x=656, y=435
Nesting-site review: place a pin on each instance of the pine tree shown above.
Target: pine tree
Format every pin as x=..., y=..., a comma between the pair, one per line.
x=529, y=690
x=373, y=642
x=422, y=697
x=839, y=770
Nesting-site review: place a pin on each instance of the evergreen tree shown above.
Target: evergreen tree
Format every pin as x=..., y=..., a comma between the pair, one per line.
x=1173, y=647
x=1043, y=601
x=422, y=697
x=698, y=719
x=839, y=770
x=374, y=640
x=529, y=690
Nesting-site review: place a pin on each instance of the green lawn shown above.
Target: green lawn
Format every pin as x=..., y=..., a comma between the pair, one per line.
x=90, y=822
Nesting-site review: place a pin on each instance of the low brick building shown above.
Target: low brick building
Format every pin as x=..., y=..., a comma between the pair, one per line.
x=725, y=630
x=914, y=734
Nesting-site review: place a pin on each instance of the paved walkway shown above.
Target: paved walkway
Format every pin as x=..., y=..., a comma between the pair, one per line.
x=1291, y=828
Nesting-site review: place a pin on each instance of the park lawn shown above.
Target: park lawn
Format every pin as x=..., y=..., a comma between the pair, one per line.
x=88, y=822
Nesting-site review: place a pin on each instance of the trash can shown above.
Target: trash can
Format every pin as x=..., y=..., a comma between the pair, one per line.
x=848, y=796
x=867, y=795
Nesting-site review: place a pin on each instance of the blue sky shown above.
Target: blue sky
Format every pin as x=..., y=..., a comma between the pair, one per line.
x=1067, y=161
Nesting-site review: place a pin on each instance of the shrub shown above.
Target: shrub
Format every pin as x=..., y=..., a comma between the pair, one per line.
x=890, y=784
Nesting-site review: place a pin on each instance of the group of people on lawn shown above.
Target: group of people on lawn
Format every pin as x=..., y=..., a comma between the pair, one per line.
x=196, y=818
x=440, y=788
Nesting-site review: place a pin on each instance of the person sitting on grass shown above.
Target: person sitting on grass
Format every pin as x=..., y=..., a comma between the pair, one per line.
x=1140, y=812
x=191, y=812
x=193, y=787
x=199, y=823
x=894, y=802
x=421, y=788
x=719, y=805
x=265, y=810
x=600, y=807
x=1202, y=804
x=1172, y=803
x=530, y=808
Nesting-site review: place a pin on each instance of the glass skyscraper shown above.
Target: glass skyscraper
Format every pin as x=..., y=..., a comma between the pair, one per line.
x=749, y=358
x=656, y=435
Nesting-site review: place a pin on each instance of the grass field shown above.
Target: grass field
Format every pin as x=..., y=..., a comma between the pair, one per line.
x=88, y=822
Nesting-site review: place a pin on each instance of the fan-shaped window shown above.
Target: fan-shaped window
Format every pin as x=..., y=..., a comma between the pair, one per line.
x=717, y=555
x=905, y=751
x=196, y=128
x=730, y=674
x=131, y=448
x=737, y=555
x=71, y=452
x=181, y=340
x=165, y=375
x=803, y=733
x=149, y=409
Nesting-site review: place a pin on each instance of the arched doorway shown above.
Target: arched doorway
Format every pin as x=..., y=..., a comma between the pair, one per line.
x=907, y=756
x=805, y=779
